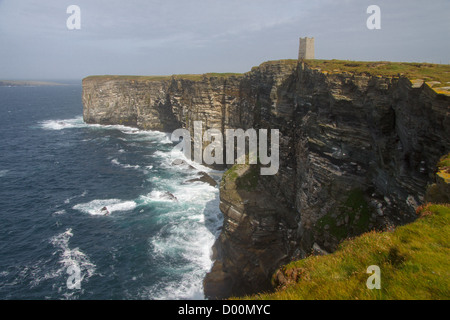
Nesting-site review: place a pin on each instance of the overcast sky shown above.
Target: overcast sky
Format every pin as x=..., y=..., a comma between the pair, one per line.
x=163, y=37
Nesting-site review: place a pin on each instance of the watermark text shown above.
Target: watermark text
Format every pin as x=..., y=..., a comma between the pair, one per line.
x=235, y=140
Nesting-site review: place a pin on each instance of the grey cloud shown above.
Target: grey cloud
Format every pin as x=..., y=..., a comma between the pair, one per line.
x=175, y=36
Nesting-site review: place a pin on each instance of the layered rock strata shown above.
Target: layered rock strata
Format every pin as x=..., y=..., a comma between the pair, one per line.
x=356, y=153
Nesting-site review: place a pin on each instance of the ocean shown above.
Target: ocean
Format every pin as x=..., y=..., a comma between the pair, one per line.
x=56, y=175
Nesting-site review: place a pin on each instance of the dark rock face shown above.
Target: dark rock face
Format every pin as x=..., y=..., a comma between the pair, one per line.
x=169, y=196
x=204, y=177
x=258, y=235
x=356, y=153
x=184, y=164
x=379, y=135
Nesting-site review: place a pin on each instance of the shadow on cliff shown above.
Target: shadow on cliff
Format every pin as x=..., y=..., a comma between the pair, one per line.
x=213, y=216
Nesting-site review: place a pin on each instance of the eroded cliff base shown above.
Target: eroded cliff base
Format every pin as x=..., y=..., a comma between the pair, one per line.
x=258, y=235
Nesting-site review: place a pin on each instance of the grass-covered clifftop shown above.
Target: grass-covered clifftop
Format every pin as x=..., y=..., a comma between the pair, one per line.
x=437, y=76
x=414, y=261
x=192, y=77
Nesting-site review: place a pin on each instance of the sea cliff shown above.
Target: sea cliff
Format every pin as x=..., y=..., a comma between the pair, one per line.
x=358, y=148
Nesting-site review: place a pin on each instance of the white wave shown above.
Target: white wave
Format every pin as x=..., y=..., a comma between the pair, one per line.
x=3, y=173
x=159, y=196
x=139, y=132
x=39, y=271
x=191, y=241
x=59, y=212
x=68, y=200
x=166, y=140
x=188, y=288
x=177, y=154
x=166, y=159
x=42, y=269
x=161, y=154
x=34, y=273
x=188, y=232
x=94, y=207
x=136, y=134
x=63, y=124
x=71, y=257
x=78, y=122
x=126, y=166
x=196, y=192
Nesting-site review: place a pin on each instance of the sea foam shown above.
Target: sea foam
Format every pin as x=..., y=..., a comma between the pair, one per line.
x=3, y=173
x=71, y=258
x=94, y=207
x=63, y=124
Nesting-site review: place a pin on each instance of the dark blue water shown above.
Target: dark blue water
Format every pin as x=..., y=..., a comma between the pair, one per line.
x=56, y=173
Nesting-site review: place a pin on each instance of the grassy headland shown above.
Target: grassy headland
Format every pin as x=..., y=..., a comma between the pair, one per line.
x=21, y=83
x=192, y=77
x=436, y=75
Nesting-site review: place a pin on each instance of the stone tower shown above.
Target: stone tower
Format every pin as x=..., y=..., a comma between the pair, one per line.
x=306, y=49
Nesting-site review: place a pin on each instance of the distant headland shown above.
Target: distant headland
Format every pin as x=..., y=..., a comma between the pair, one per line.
x=27, y=83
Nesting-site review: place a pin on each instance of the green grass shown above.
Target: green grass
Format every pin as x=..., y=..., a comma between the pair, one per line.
x=129, y=78
x=444, y=161
x=249, y=180
x=192, y=77
x=444, y=169
x=245, y=176
x=425, y=71
x=439, y=192
x=291, y=62
x=414, y=261
x=358, y=212
x=222, y=75
x=231, y=173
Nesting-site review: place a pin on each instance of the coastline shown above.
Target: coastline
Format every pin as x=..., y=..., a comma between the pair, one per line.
x=350, y=140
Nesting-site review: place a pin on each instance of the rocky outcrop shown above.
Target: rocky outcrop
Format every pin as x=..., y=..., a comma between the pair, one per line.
x=204, y=177
x=356, y=153
x=258, y=235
